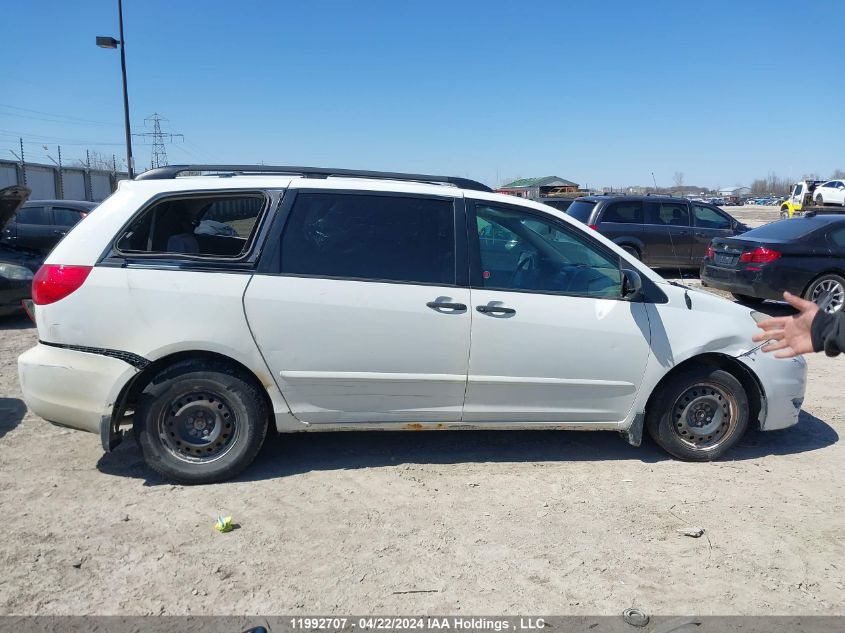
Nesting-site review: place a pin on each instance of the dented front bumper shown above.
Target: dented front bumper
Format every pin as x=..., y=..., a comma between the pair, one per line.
x=784, y=381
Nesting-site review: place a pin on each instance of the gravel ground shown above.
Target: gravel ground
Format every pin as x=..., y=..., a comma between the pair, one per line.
x=472, y=522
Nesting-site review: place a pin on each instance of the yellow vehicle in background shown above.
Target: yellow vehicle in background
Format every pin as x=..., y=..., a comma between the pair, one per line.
x=799, y=199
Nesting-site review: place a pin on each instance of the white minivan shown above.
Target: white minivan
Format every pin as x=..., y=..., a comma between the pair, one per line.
x=203, y=309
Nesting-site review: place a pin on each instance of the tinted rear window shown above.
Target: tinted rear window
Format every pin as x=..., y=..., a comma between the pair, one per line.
x=581, y=210
x=787, y=229
x=624, y=212
x=378, y=237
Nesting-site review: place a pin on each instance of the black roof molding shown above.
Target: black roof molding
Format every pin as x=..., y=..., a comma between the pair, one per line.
x=172, y=171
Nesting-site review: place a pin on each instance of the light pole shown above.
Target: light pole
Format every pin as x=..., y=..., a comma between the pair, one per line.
x=110, y=42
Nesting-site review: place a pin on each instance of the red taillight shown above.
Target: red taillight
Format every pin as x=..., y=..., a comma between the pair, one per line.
x=594, y=226
x=53, y=282
x=759, y=255
x=710, y=253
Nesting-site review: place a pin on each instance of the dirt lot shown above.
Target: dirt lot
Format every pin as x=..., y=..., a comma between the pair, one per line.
x=473, y=522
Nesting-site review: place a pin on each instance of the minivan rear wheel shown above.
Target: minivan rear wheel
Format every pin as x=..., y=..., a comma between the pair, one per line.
x=698, y=414
x=200, y=422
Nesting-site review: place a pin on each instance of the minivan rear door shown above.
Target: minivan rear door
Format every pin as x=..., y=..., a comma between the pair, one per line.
x=667, y=233
x=360, y=306
x=622, y=222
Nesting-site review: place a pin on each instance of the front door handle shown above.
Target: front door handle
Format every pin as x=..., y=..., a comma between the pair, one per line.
x=495, y=310
x=446, y=305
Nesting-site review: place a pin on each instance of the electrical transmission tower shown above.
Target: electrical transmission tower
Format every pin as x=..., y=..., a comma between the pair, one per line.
x=158, y=156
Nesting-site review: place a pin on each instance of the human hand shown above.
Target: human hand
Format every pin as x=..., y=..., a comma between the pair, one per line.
x=790, y=335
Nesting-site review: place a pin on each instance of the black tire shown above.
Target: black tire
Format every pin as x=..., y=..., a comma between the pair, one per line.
x=200, y=422
x=747, y=299
x=674, y=407
x=819, y=201
x=632, y=251
x=829, y=283
x=784, y=214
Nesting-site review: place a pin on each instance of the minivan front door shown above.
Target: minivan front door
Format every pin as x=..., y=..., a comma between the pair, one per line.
x=357, y=311
x=552, y=342
x=709, y=224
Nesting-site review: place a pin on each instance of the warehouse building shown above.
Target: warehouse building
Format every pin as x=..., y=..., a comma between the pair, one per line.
x=535, y=188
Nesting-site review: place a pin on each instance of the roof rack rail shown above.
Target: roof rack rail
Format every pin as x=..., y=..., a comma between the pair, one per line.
x=172, y=171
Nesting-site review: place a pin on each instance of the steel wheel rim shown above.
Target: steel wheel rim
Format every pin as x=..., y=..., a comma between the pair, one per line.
x=704, y=415
x=198, y=427
x=836, y=292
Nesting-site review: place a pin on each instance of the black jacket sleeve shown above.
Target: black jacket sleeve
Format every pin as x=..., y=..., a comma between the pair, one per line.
x=828, y=333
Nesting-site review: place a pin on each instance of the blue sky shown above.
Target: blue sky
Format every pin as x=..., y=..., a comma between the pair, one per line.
x=602, y=93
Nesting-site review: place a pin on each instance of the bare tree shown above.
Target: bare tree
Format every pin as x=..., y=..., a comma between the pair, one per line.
x=838, y=175
x=678, y=179
x=101, y=162
x=771, y=185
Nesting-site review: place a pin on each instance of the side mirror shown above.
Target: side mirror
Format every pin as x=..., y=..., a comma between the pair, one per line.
x=632, y=285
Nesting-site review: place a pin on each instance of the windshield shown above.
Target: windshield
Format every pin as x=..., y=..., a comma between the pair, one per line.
x=581, y=210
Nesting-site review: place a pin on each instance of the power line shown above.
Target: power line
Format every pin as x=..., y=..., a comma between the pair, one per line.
x=53, y=139
x=52, y=114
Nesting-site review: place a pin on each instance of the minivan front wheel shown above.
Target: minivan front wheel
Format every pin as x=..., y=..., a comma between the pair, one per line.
x=699, y=414
x=200, y=422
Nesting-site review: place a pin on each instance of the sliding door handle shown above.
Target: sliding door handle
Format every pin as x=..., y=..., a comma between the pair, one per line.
x=446, y=305
x=495, y=310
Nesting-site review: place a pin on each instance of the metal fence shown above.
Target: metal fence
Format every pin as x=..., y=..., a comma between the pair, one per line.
x=48, y=182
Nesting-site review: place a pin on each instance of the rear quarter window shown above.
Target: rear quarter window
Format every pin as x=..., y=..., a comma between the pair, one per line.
x=623, y=212
x=214, y=225
x=581, y=210
x=33, y=215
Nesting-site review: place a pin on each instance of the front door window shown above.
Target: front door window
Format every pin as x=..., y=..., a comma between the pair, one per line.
x=525, y=252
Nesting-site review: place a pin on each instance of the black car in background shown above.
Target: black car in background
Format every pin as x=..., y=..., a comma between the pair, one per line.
x=804, y=255
x=40, y=224
x=661, y=231
x=17, y=265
